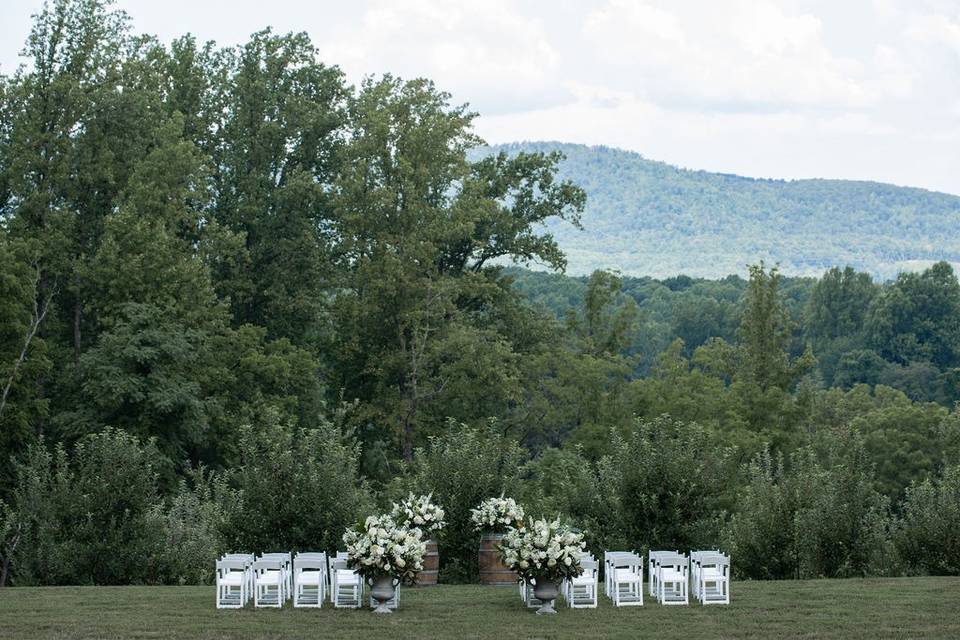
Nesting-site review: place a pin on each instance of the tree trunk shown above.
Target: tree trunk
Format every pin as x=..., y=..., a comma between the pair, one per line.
x=77, y=312
x=40, y=309
x=8, y=557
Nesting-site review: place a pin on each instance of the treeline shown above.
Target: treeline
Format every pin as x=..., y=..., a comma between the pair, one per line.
x=244, y=303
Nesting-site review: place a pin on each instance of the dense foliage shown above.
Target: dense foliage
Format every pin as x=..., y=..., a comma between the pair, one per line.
x=244, y=305
x=650, y=218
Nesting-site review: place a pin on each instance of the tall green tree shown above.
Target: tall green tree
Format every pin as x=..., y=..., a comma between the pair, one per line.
x=917, y=318
x=419, y=228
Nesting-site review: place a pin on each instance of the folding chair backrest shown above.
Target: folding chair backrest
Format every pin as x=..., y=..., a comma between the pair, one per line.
x=268, y=565
x=223, y=566
x=672, y=560
x=714, y=560
x=283, y=557
x=300, y=563
x=244, y=557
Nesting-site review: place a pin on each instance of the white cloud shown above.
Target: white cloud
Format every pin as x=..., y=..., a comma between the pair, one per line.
x=936, y=29
x=744, y=54
x=775, y=88
x=488, y=50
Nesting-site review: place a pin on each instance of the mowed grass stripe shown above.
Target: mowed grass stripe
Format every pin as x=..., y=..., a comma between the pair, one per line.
x=869, y=608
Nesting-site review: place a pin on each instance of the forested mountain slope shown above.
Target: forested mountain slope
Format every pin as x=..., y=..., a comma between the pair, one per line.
x=649, y=218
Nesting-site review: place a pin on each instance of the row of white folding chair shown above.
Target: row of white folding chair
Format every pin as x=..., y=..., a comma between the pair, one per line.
x=710, y=576
x=309, y=579
x=581, y=591
x=234, y=581
x=623, y=578
x=671, y=575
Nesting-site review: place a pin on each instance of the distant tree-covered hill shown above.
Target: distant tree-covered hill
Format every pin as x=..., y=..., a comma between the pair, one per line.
x=650, y=218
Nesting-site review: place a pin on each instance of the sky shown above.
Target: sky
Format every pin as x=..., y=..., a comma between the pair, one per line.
x=855, y=89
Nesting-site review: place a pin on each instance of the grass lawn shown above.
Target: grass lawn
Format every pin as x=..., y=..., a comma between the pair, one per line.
x=874, y=608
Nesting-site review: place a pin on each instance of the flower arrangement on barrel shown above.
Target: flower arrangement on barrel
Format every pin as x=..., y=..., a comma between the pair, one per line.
x=385, y=553
x=422, y=513
x=544, y=553
x=493, y=518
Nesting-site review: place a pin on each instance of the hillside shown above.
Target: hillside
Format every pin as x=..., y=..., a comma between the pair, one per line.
x=650, y=218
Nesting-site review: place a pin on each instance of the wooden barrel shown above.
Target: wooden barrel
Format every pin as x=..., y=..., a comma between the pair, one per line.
x=492, y=570
x=431, y=565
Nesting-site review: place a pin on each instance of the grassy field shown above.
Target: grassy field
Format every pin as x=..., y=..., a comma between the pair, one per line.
x=875, y=608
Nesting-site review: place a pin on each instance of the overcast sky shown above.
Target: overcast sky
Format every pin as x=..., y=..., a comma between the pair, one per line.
x=862, y=89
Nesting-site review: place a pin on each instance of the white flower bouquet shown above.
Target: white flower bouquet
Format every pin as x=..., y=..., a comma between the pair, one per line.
x=419, y=512
x=544, y=550
x=497, y=515
x=380, y=546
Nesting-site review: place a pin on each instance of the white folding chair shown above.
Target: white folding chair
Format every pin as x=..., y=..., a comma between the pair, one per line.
x=712, y=580
x=609, y=564
x=287, y=561
x=626, y=580
x=231, y=584
x=652, y=557
x=346, y=585
x=672, y=579
x=309, y=579
x=269, y=583
x=695, y=569
x=581, y=591
x=247, y=560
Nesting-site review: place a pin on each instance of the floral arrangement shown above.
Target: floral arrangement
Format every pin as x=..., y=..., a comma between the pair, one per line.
x=419, y=512
x=380, y=546
x=543, y=550
x=497, y=515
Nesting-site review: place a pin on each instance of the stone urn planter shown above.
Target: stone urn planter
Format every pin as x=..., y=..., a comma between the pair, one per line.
x=427, y=577
x=546, y=592
x=382, y=589
x=492, y=569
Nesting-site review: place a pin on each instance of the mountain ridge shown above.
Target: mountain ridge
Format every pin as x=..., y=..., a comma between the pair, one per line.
x=650, y=218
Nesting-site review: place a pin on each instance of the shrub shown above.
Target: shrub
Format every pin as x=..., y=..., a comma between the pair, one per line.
x=86, y=517
x=669, y=484
x=564, y=482
x=461, y=468
x=928, y=536
x=295, y=489
x=813, y=517
x=191, y=524
x=760, y=535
